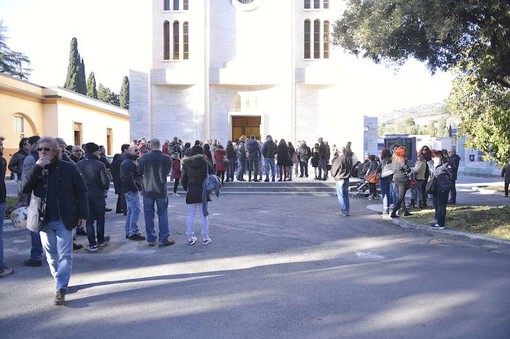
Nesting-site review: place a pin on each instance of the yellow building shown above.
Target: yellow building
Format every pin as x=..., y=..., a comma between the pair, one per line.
x=28, y=109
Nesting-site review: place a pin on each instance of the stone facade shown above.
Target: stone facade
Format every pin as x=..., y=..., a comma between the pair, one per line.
x=220, y=60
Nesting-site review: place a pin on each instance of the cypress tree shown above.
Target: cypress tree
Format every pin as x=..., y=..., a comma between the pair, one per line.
x=82, y=79
x=91, y=86
x=124, y=93
x=73, y=67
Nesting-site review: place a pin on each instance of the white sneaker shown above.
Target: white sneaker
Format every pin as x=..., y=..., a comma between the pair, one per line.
x=177, y=195
x=206, y=241
x=192, y=241
x=437, y=227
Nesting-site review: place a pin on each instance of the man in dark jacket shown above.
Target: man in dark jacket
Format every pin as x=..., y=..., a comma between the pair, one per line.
x=16, y=162
x=341, y=167
x=154, y=167
x=241, y=158
x=4, y=270
x=194, y=171
x=454, y=161
x=304, y=153
x=253, y=150
x=115, y=171
x=60, y=185
x=96, y=177
x=132, y=185
x=269, y=151
x=323, y=160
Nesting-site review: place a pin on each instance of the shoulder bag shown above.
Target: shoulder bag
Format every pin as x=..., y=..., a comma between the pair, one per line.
x=387, y=171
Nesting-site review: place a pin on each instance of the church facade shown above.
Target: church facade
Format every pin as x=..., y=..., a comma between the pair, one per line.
x=224, y=68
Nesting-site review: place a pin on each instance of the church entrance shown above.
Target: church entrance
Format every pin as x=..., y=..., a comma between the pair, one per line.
x=245, y=125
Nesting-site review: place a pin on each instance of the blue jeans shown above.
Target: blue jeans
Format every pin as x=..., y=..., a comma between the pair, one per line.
x=241, y=163
x=57, y=242
x=385, y=193
x=303, y=165
x=270, y=165
x=439, y=200
x=133, y=212
x=253, y=167
x=230, y=170
x=2, y=212
x=148, y=213
x=342, y=192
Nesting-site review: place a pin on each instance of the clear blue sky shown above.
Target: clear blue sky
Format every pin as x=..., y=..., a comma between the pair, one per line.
x=115, y=36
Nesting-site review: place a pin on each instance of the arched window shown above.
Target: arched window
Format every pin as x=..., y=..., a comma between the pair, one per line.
x=307, y=39
x=185, y=41
x=176, y=5
x=326, y=40
x=307, y=4
x=317, y=39
x=175, y=32
x=166, y=40
x=166, y=5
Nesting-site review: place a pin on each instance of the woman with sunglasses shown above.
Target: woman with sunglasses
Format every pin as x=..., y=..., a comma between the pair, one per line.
x=62, y=189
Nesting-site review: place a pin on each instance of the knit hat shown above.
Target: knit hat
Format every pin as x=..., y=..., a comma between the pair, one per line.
x=91, y=147
x=197, y=150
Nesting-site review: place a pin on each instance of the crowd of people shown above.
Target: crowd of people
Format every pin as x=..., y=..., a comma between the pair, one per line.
x=71, y=182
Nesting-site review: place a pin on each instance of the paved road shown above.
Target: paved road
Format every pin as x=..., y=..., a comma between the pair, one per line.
x=280, y=265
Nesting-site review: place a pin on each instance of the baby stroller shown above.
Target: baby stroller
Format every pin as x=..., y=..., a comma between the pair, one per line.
x=361, y=189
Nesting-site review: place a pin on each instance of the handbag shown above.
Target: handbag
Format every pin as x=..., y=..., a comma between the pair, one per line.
x=373, y=178
x=226, y=162
x=411, y=182
x=387, y=171
x=35, y=213
x=431, y=186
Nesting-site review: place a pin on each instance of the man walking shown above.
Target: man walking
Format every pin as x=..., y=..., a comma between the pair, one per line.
x=97, y=180
x=341, y=168
x=154, y=167
x=454, y=161
x=60, y=185
x=132, y=185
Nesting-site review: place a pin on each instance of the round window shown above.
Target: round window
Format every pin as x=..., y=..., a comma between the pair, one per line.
x=246, y=5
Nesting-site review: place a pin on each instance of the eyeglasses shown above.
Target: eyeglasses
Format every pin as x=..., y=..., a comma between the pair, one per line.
x=46, y=149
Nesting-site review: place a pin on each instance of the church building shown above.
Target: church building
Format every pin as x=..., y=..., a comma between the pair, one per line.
x=224, y=68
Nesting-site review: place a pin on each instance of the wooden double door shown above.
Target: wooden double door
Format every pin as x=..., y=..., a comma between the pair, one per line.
x=245, y=125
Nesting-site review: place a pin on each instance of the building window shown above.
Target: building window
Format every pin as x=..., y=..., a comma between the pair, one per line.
x=166, y=40
x=166, y=5
x=185, y=41
x=316, y=3
x=185, y=5
x=19, y=124
x=307, y=39
x=307, y=4
x=325, y=4
x=176, y=5
x=316, y=39
x=175, y=33
x=326, y=40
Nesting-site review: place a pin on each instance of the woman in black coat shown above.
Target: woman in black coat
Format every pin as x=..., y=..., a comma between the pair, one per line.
x=282, y=152
x=194, y=171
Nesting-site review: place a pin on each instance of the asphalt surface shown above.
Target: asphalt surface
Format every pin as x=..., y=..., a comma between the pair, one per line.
x=282, y=264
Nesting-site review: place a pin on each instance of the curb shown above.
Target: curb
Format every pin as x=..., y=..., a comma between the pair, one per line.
x=406, y=224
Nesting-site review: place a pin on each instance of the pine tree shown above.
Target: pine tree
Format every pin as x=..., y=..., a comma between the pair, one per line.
x=75, y=79
x=91, y=86
x=124, y=93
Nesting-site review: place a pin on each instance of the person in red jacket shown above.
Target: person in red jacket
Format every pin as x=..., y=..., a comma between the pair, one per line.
x=176, y=171
x=221, y=166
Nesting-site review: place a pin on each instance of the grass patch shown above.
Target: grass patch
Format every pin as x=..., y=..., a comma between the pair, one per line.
x=493, y=221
